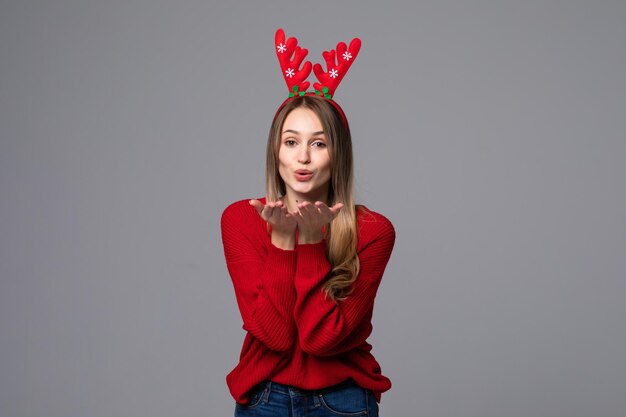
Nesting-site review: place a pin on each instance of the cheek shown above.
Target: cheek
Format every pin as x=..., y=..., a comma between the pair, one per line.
x=326, y=163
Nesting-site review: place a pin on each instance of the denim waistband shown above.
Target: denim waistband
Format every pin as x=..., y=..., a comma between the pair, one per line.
x=292, y=390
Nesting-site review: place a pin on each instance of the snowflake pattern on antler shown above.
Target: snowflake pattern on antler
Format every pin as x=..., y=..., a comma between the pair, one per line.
x=295, y=70
x=335, y=71
x=291, y=57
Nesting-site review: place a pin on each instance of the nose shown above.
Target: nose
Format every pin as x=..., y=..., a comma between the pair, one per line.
x=303, y=155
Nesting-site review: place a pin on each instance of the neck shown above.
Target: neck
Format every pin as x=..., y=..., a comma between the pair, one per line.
x=293, y=199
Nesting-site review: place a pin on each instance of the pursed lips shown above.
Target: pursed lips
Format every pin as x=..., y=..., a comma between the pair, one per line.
x=303, y=174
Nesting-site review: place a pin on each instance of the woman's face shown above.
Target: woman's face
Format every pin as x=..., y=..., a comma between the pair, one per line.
x=304, y=160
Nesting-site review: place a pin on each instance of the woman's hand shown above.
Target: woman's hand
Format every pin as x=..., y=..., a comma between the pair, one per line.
x=276, y=214
x=311, y=218
x=283, y=223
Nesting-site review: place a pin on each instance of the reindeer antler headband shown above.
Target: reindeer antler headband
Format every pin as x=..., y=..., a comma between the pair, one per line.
x=295, y=72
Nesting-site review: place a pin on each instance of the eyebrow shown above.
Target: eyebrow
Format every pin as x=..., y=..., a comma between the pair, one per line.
x=320, y=132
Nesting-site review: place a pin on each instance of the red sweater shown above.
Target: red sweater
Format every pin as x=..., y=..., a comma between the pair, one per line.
x=295, y=336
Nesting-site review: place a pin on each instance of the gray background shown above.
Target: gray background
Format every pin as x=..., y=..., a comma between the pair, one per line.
x=491, y=133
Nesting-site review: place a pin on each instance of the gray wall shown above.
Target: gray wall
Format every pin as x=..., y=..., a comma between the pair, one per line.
x=491, y=133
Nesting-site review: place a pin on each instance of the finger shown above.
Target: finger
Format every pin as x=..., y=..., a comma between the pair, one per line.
x=300, y=207
x=257, y=205
x=309, y=211
x=336, y=208
x=267, y=211
x=302, y=204
x=281, y=214
x=288, y=216
x=325, y=211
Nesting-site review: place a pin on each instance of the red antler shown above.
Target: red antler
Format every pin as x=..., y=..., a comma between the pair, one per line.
x=294, y=75
x=329, y=80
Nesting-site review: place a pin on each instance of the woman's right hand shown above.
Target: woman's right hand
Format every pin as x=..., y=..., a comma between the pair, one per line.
x=283, y=223
x=276, y=214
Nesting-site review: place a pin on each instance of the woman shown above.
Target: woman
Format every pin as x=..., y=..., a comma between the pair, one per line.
x=306, y=263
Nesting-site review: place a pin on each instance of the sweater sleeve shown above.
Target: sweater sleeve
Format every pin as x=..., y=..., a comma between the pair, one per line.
x=262, y=277
x=326, y=327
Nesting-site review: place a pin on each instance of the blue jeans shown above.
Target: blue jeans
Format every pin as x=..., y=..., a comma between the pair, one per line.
x=270, y=399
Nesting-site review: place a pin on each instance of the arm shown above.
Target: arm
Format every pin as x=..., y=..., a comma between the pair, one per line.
x=326, y=327
x=262, y=277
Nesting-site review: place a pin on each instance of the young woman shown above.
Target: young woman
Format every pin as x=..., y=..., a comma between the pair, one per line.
x=306, y=263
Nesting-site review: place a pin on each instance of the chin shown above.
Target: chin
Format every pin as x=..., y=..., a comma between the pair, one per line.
x=304, y=191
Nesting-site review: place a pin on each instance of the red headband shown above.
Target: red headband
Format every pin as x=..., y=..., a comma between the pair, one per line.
x=290, y=57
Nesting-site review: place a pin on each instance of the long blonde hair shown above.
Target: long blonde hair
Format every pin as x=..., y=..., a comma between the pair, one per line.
x=341, y=236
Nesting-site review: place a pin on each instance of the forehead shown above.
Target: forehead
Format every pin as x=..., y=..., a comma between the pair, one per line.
x=302, y=120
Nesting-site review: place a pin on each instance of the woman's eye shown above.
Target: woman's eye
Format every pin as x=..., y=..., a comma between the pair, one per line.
x=290, y=142
x=319, y=144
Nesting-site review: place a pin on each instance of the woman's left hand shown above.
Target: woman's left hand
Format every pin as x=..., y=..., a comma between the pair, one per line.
x=311, y=218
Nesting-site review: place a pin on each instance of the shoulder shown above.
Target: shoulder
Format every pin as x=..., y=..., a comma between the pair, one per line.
x=244, y=233
x=373, y=226
x=238, y=212
x=367, y=218
x=240, y=207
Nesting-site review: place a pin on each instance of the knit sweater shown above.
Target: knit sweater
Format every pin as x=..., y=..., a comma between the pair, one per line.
x=295, y=335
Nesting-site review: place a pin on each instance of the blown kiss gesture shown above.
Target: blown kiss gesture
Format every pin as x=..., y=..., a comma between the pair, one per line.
x=309, y=218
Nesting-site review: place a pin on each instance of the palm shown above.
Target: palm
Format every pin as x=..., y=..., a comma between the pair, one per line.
x=276, y=214
x=312, y=217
